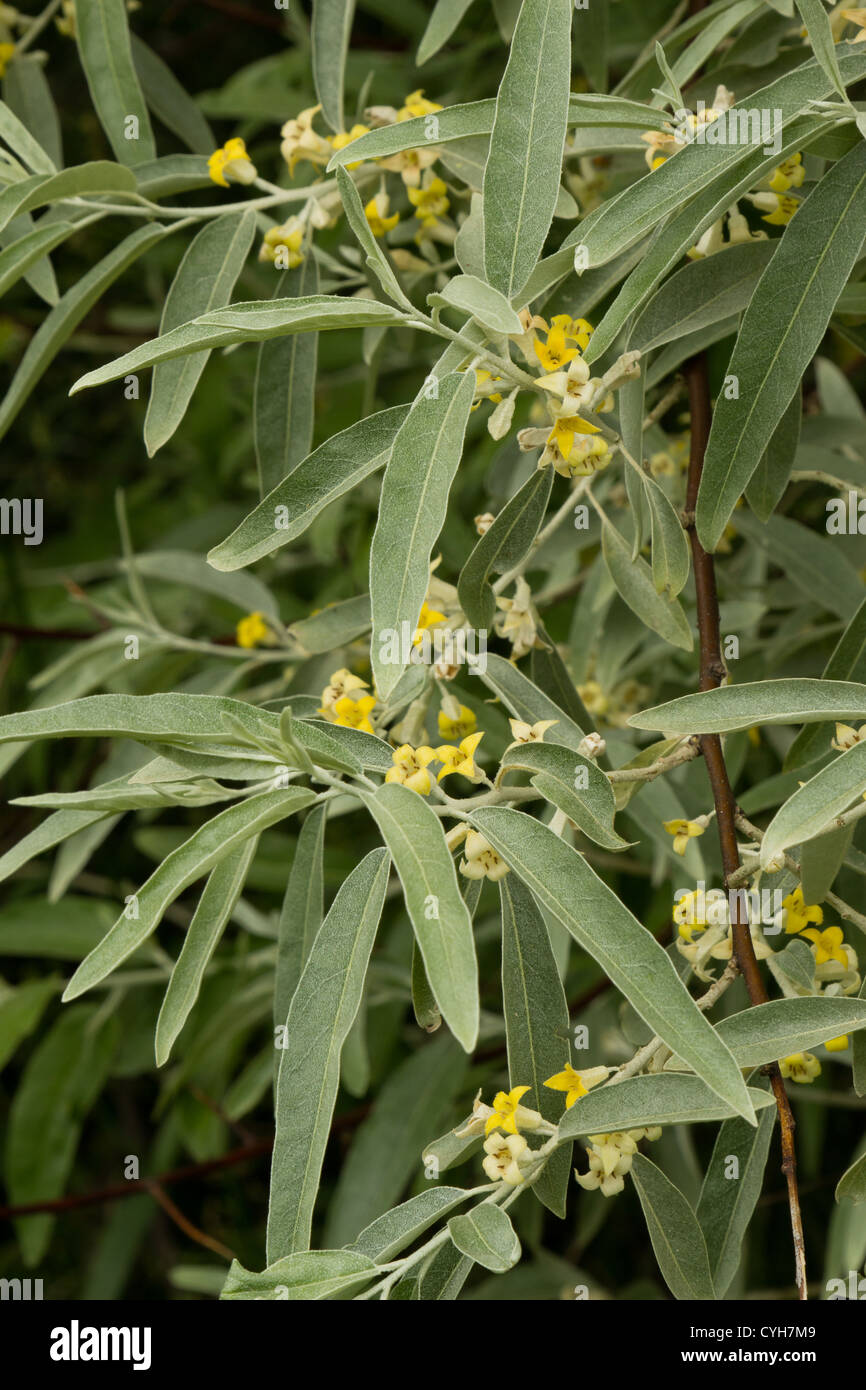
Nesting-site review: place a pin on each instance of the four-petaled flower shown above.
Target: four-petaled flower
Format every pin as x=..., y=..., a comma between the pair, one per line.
x=481, y=860
x=800, y=1066
x=342, y=683
x=799, y=914
x=683, y=831
x=827, y=944
x=576, y=1083
x=253, y=631
x=457, y=726
x=530, y=733
x=410, y=767
x=376, y=213
x=428, y=617
x=846, y=737
x=282, y=245
x=509, y=1114
x=345, y=137
x=354, y=714
x=430, y=200
x=231, y=163
x=459, y=759
x=504, y=1152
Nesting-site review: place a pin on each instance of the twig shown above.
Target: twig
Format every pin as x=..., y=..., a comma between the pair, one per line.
x=184, y=1224
x=712, y=673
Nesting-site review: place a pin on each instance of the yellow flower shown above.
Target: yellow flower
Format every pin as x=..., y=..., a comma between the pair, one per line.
x=231, y=162
x=342, y=683
x=800, y=1066
x=301, y=142
x=530, y=733
x=481, y=859
x=577, y=331
x=428, y=617
x=66, y=23
x=593, y=697
x=781, y=210
x=683, y=831
x=410, y=767
x=253, y=631
x=7, y=52
x=459, y=759
x=846, y=737
x=345, y=137
x=555, y=352
x=430, y=201
x=576, y=1083
x=458, y=727
x=504, y=1153
x=509, y=1114
x=698, y=910
x=827, y=944
x=840, y=1044
x=354, y=714
x=857, y=17
x=376, y=213
x=282, y=245
x=789, y=174
x=571, y=451
x=416, y=104
x=798, y=914
x=484, y=381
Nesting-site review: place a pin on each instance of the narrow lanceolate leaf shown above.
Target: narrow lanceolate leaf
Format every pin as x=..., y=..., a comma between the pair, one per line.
x=817, y=24
x=19, y=255
x=99, y=177
x=169, y=100
x=573, y=784
x=816, y=804
x=634, y=582
x=66, y=315
x=444, y=19
x=502, y=546
x=439, y=915
x=418, y=477
x=322, y=1011
x=730, y=1193
x=307, y=1277
x=215, y=907
x=847, y=662
x=285, y=390
x=523, y=699
x=329, y=471
x=521, y=178
x=106, y=56
x=703, y=292
x=670, y=549
x=768, y=1032
x=205, y=280
x=27, y=93
x=486, y=1236
x=536, y=1022
x=735, y=707
x=676, y=1237
x=563, y=882
x=649, y=1100
x=62, y=1079
x=150, y=717
x=302, y=911
x=768, y=482
x=22, y=143
x=247, y=322
x=377, y=259
x=195, y=857
x=781, y=330
x=331, y=27
x=391, y=1233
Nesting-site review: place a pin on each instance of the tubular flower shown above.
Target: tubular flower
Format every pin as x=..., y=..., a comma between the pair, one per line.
x=459, y=759
x=840, y=1044
x=509, y=1114
x=300, y=142
x=846, y=737
x=428, y=617
x=342, y=683
x=799, y=914
x=504, y=1152
x=610, y=1158
x=778, y=208
x=481, y=859
x=410, y=768
x=354, y=714
x=231, y=163
x=802, y=1067
x=376, y=213
x=576, y=1083
x=530, y=733
x=253, y=631
x=459, y=725
x=282, y=245
x=827, y=944
x=683, y=831
x=345, y=137
x=789, y=174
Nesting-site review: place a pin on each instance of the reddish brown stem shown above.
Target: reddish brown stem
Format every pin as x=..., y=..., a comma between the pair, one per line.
x=712, y=673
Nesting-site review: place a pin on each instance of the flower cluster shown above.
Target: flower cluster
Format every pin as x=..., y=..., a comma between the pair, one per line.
x=610, y=1159
x=344, y=703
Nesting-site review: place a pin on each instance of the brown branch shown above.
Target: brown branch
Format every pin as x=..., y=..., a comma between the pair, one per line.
x=712, y=673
